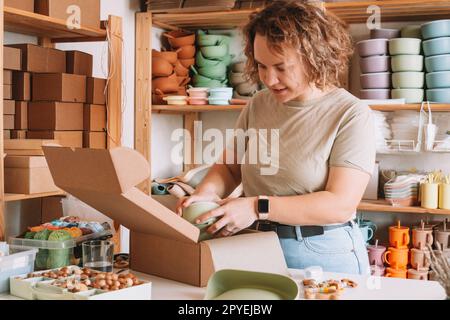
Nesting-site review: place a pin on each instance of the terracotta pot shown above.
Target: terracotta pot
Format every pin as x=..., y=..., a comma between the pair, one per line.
x=180, y=38
x=165, y=84
x=182, y=91
x=161, y=67
x=170, y=56
x=187, y=63
x=186, y=52
x=183, y=81
x=180, y=70
x=157, y=97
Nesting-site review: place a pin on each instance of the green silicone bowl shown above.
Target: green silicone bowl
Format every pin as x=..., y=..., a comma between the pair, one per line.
x=439, y=95
x=438, y=63
x=399, y=46
x=439, y=79
x=407, y=63
x=229, y=284
x=436, y=46
x=406, y=80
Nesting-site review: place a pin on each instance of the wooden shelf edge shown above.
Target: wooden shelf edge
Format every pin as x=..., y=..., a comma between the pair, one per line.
x=194, y=108
x=206, y=108
x=384, y=206
x=16, y=196
x=16, y=20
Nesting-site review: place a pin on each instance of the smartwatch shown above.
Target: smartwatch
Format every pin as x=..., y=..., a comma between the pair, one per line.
x=263, y=207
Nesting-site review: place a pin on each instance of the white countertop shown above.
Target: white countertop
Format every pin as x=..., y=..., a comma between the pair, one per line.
x=369, y=288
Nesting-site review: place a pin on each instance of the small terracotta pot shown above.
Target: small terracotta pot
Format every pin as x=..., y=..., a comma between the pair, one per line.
x=180, y=38
x=161, y=67
x=170, y=56
x=165, y=84
x=186, y=52
x=180, y=70
x=187, y=63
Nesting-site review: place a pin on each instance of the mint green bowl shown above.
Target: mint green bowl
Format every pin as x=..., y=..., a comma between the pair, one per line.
x=436, y=46
x=229, y=284
x=410, y=95
x=439, y=95
x=406, y=80
x=436, y=29
x=399, y=46
x=407, y=62
x=438, y=63
x=439, y=79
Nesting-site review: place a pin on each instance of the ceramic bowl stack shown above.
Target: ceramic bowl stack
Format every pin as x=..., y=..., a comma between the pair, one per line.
x=407, y=67
x=382, y=131
x=220, y=96
x=403, y=190
x=212, y=60
x=198, y=96
x=405, y=129
x=165, y=80
x=436, y=47
x=375, y=64
x=243, y=89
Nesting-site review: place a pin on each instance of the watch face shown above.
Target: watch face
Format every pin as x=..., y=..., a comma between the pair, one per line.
x=263, y=205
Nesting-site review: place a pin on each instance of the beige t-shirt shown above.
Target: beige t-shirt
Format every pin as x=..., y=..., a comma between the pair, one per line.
x=335, y=130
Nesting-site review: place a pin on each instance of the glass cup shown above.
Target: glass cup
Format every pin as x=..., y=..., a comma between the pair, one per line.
x=98, y=255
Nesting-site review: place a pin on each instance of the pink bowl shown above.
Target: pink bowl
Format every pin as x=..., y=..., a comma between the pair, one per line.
x=375, y=64
x=373, y=94
x=380, y=80
x=372, y=47
x=198, y=101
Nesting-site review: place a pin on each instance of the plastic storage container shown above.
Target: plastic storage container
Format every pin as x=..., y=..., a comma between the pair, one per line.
x=19, y=261
x=56, y=254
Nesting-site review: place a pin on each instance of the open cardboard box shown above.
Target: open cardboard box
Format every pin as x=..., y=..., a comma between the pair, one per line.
x=162, y=243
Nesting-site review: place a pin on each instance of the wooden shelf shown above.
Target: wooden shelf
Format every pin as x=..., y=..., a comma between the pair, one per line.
x=39, y=25
x=206, y=108
x=350, y=12
x=395, y=107
x=194, y=108
x=384, y=206
x=16, y=197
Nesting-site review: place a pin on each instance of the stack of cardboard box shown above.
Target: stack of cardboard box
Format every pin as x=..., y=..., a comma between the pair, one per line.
x=54, y=92
x=11, y=61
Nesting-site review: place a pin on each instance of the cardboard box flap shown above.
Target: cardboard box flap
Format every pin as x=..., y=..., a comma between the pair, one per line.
x=105, y=180
x=259, y=252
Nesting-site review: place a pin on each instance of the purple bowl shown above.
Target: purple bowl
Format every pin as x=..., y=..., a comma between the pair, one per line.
x=372, y=47
x=380, y=80
x=375, y=64
x=375, y=94
x=384, y=33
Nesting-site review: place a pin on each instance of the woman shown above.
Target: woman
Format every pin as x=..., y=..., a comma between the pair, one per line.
x=326, y=143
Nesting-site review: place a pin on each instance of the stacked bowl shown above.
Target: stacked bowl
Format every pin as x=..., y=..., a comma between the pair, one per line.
x=198, y=96
x=243, y=89
x=407, y=67
x=220, y=96
x=164, y=78
x=375, y=64
x=212, y=60
x=436, y=47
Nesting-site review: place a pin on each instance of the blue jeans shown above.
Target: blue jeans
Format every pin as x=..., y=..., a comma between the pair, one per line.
x=338, y=250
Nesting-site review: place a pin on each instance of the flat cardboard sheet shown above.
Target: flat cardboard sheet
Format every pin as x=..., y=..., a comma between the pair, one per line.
x=268, y=246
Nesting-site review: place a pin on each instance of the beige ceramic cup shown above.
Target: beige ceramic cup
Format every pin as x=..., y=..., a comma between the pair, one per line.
x=443, y=237
x=419, y=259
x=418, y=274
x=422, y=237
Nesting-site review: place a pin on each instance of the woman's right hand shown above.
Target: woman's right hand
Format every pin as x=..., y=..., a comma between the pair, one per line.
x=185, y=202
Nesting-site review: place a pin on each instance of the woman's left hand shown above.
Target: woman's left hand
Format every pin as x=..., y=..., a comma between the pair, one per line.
x=236, y=214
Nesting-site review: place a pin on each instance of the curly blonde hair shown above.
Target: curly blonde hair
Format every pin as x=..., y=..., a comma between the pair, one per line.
x=321, y=39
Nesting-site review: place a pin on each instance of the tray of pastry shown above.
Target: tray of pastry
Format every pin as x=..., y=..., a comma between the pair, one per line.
x=75, y=283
